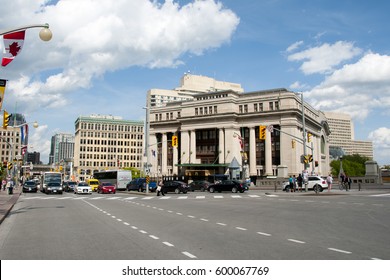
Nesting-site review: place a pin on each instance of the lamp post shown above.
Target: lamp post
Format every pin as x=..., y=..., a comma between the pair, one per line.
x=147, y=127
x=45, y=33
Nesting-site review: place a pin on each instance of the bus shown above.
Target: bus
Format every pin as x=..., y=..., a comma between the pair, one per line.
x=50, y=177
x=119, y=178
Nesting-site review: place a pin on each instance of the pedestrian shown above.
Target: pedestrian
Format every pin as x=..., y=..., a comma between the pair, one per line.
x=329, y=181
x=160, y=188
x=300, y=182
x=291, y=183
x=347, y=182
x=294, y=183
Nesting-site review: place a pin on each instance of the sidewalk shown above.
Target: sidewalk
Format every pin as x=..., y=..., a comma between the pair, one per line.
x=7, y=201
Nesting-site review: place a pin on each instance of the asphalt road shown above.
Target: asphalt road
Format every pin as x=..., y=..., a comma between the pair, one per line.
x=203, y=226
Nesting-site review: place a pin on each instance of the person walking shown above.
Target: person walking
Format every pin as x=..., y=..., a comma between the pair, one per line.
x=329, y=181
x=160, y=188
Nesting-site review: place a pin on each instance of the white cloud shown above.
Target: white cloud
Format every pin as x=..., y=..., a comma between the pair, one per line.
x=324, y=58
x=93, y=37
x=355, y=88
x=381, y=140
x=102, y=35
x=294, y=46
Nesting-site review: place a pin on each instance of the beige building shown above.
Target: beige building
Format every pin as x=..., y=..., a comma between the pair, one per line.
x=107, y=142
x=217, y=129
x=342, y=135
x=190, y=85
x=10, y=146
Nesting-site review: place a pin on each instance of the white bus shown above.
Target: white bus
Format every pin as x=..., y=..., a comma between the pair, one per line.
x=119, y=178
x=51, y=178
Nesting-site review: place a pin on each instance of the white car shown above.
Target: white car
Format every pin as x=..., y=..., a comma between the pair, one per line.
x=82, y=188
x=314, y=182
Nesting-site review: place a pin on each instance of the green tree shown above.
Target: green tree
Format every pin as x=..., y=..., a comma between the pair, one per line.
x=353, y=165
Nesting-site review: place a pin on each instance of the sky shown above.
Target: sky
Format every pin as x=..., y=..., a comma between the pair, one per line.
x=105, y=55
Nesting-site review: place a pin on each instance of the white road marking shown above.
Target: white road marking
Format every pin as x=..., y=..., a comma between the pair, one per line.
x=263, y=233
x=240, y=228
x=218, y=196
x=168, y=244
x=236, y=196
x=142, y=231
x=190, y=216
x=200, y=197
x=127, y=224
x=340, y=251
x=205, y=220
x=189, y=255
x=253, y=195
x=129, y=198
x=221, y=224
x=154, y=237
x=296, y=241
x=182, y=197
x=150, y=197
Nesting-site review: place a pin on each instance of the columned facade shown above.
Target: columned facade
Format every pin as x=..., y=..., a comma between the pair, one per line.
x=215, y=129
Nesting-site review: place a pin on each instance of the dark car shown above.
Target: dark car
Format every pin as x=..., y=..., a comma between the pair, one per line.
x=228, y=185
x=198, y=185
x=30, y=186
x=175, y=186
x=139, y=185
x=69, y=186
x=106, y=187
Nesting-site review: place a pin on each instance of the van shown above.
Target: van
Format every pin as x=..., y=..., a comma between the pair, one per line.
x=93, y=183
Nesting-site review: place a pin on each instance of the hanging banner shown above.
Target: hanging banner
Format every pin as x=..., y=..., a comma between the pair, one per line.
x=2, y=90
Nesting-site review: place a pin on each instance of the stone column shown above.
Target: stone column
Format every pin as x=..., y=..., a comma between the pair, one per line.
x=193, y=146
x=221, y=145
x=175, y=160
x=268, y=154
x=164, y=169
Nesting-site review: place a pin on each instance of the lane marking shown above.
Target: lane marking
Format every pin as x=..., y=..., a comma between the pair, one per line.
x=205, y=220
x=154, y=237
x=182, y=197
x=240, y=228
x=218, y=196
x=221, y=224
x=200, y=197
x=340, y=251
x=168, y=244
x=125, y=223
x=264, y=233
x=189, y=255
x=142, y=231
x=296, y=241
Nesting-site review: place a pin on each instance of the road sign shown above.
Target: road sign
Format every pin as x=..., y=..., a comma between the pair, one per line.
x=270, y=128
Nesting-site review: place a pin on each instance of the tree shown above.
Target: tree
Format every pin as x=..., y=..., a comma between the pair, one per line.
x=353, y=165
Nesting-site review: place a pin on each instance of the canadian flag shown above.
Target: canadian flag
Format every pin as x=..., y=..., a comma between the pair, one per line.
x=13, y=43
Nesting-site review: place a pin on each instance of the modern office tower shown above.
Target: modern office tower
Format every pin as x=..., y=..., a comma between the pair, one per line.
x=62, y=148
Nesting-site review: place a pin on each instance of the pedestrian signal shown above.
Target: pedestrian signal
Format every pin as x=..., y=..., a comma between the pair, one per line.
x=6, y=118
x=262, y=132
x=175, y=141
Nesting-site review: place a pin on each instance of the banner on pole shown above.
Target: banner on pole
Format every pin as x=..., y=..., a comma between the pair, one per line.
x=2, y=90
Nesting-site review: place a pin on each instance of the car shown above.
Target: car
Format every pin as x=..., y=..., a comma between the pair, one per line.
x=313, y=182
x=83, y=188
x=175, y=186
x=69, y=186
x=198, y=185
x=139, y=184
x=106, y=187
x=54, y=187
x=29, y=186
x=93, y=183
x=228, y=185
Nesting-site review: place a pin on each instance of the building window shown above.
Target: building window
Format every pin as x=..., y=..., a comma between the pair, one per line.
x=271, y=106
x=255, y=107
x=240, y=109
x=196, y=111
x=245, y=108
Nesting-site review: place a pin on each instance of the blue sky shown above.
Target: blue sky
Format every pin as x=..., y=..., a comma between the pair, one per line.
x=105, y=55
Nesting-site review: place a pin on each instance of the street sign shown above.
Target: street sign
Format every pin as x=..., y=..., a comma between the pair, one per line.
x=270, y=128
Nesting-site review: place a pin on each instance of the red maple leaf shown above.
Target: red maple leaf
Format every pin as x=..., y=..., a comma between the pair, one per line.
x=14, y=48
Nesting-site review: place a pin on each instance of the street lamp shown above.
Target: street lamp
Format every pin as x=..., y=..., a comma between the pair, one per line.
x=45, y=34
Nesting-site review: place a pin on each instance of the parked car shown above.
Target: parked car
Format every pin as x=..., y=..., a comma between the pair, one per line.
x=106, y=187
x=69, y=186
x=228, y=185
x=82, y=188
x=313, y=182
x=198, y=185
x=139, y=185
x=29, y=186
x=175, y=186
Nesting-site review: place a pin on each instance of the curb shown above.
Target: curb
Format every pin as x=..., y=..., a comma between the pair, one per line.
x=9, y=205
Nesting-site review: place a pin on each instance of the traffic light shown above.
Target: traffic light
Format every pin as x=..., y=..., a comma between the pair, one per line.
x=309, y=136
x=5, y=164
x=316, y=163
x=175, y=142
x=262, y=132
x=6, y=118
x=293, y=144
